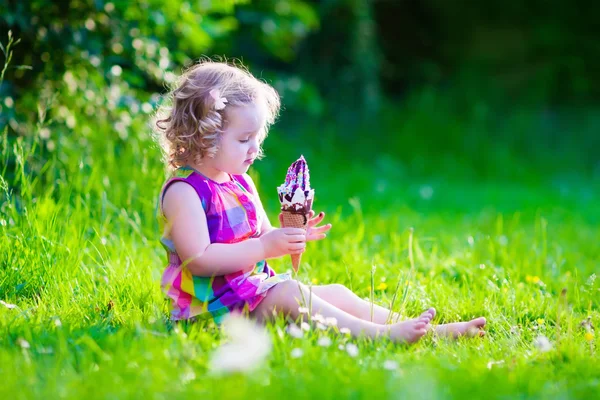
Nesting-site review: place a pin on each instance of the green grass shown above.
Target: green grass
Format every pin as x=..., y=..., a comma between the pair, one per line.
x=80, y=259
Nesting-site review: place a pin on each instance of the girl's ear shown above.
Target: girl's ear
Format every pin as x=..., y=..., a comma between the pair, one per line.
x=280, y=219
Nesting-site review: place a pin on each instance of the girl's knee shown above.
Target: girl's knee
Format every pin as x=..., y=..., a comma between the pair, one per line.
x=338, y=289
x=291, y=288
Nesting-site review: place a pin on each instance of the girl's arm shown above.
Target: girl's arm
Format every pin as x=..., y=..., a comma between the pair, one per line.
x=265, y=226
x=189, y=232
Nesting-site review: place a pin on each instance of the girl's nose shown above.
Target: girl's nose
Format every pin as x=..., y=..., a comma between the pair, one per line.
x=254, y=147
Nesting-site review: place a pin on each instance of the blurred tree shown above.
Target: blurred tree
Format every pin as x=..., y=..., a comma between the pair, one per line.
x=544, y=52
x=101, y=65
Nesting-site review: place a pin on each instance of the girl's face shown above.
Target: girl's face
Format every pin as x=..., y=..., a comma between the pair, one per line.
x=240, y=140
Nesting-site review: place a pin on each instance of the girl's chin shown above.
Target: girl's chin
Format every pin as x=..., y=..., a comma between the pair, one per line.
x=242, y=170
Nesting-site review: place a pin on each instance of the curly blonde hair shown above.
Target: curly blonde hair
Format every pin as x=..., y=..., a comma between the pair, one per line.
x=188, y=126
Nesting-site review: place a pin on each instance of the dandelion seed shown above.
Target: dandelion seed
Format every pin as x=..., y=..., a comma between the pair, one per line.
x=146, y=108
x=303, y=310
x=95, y=61
x=90, y=25
x=187, y=377
x=45, y=133
x=492, y=363
x=390, y=365
x=9, y=102
x=294, y=331
x=117, y=48
x=305, y=326
x=341, y=347
x=318, y=318
x=137, y=44
x=352, y=349
x=297, y=353
x=170, y=77
x=8, y=305
x=116, y=70
x=248, y=347
x=345, y=331
x=321, y=326
x=542, y=344
x=23, y=343
x=57, y=323
x=71, y=121
x=331, y=321
x=324, y=341
x=109, y=7
x=163, y=63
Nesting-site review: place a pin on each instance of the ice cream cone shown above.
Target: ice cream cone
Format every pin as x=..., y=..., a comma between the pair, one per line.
x=295, y=220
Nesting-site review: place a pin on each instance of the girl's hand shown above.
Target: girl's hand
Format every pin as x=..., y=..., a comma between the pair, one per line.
x=281, y=241
x=313, y=232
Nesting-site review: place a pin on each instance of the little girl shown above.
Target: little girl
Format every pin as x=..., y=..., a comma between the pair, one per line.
x=216, y=232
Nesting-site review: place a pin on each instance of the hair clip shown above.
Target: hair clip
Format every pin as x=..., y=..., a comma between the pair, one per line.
x=219, y=101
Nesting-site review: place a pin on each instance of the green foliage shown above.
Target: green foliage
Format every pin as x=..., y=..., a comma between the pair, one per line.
x=102, y=66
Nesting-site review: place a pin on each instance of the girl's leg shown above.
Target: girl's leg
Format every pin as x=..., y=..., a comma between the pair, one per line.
x=343, y=298
x=286, y=297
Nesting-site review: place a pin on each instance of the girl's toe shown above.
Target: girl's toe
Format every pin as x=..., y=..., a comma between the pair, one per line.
x=420, y=325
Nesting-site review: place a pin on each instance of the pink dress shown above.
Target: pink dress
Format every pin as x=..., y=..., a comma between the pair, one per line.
x=231, y=215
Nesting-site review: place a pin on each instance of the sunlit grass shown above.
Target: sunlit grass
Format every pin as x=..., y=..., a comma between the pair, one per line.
x=80, y=263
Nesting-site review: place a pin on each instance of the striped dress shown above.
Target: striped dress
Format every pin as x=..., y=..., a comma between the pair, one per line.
x=232, y=216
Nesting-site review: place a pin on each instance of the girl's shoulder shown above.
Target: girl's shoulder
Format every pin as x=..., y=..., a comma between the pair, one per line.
x=246, y=181
x=207, y=188
x=188, y=176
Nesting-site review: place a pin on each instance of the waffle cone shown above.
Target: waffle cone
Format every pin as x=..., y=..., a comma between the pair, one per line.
x=295, y=220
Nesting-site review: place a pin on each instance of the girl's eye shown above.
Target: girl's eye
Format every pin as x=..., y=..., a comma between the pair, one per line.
x=244, y=141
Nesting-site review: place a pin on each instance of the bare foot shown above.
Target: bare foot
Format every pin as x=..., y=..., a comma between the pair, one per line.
x=468, y=328
x=411, y=330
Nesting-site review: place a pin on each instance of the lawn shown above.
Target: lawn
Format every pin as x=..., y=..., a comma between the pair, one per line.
x=83, y=315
